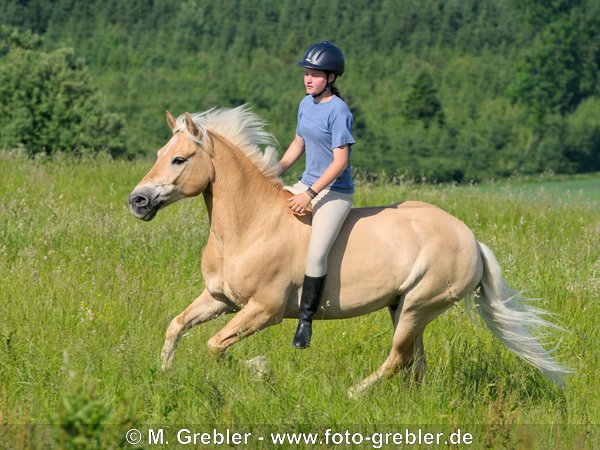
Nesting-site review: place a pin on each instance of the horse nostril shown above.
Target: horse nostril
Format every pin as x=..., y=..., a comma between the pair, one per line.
x=139, y=201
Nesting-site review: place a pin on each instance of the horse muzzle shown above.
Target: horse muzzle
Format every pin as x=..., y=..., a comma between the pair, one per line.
x=144, y=203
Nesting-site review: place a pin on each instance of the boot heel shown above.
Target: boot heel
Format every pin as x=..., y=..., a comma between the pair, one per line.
x=303, y=334
x=312, y=290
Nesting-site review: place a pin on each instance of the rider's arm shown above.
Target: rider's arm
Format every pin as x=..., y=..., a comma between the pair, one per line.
x=292, y=154
x=335, y=169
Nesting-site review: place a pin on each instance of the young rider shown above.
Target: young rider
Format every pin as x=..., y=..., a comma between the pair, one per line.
x=324, y=132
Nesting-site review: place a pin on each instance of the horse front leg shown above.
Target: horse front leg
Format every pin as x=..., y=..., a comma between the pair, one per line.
x=203, y=309
x=253, y=317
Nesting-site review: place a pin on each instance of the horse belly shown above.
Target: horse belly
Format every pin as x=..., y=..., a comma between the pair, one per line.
x=345, y=302
x=360, y=280
x=366, y=268
x=382, y=254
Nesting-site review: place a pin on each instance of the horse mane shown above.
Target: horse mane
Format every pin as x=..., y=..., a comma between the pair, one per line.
x=242, y=128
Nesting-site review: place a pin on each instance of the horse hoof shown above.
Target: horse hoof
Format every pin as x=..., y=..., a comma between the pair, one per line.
x=353, y=393
x=358, y=390
x=214, y=351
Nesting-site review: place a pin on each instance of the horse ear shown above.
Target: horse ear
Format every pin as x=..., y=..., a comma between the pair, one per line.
x=191, y=126
x=170, y=120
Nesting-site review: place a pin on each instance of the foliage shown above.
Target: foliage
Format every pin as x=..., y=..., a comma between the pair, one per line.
x=506, y=76
x=48, y=101
x=583, y=135
x=82, y=418
x=11, y=37
x=422, y=102
x=561, y=70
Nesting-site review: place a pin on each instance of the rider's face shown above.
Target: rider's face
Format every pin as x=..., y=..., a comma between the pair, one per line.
x=314, y=81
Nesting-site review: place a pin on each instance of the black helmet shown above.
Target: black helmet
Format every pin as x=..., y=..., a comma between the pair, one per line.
x=324, y=56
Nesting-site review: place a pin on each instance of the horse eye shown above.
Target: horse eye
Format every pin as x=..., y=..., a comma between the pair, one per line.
x=178, y=160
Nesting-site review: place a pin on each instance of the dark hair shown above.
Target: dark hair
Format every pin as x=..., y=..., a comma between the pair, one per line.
x=335, y=91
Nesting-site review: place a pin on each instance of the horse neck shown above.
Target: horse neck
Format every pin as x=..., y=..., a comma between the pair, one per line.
x=240, y=198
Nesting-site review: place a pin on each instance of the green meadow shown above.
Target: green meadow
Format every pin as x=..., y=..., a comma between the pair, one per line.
x=549, y=187
x=87, y=292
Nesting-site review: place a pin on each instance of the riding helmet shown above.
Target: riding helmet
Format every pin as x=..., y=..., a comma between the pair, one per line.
x=324, y=56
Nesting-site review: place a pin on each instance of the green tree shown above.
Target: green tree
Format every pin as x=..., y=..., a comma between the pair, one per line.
x=583, y=139
x=12, y=38
x=422, y=103
x=511, y=75
x=560, y=69
x=551, y=79
x=48, y=103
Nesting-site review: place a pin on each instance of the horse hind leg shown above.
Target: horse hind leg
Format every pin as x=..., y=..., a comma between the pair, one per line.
x=420, y=306
x=418, y=365
x=407, y=347
x=203, y=309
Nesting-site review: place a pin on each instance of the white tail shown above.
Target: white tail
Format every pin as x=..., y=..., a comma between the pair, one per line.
x=507, y=314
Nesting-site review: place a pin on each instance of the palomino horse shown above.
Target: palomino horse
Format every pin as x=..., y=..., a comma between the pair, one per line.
x=412, y=257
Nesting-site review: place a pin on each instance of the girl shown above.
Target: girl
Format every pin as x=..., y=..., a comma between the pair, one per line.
x=324, y=132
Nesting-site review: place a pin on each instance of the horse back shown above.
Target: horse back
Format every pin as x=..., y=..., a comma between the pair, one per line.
x=381, y=252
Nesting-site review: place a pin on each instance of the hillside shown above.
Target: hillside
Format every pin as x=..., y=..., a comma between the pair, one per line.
x=447, y=90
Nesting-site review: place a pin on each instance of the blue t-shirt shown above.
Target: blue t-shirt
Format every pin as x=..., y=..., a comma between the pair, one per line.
x=325, y=126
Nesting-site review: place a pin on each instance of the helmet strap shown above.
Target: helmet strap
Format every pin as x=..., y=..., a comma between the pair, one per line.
x=315, y=96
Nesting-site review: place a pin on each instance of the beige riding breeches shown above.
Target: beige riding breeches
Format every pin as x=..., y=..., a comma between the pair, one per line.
x=330, y=209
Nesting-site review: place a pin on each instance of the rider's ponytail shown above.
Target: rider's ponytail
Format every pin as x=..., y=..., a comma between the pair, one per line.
x=335, y=91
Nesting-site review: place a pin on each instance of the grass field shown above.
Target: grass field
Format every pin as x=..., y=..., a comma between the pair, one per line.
x=545, y=187
x=87, y=292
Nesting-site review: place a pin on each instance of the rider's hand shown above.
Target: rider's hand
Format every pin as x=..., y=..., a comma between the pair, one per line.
x=298, y=203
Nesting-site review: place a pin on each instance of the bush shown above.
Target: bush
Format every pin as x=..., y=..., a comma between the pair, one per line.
x=583, y=136
x=48, y=103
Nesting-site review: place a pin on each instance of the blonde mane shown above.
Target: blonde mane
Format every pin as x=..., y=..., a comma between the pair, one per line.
x=242, y=128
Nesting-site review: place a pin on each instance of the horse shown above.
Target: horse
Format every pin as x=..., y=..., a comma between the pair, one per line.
x=411, y=257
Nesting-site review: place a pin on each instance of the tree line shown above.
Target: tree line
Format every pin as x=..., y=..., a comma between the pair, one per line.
x=446, y=90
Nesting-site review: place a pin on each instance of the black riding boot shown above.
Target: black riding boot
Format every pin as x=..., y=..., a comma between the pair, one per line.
x=312, y=289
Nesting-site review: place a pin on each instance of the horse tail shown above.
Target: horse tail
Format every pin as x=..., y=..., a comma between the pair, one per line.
x=513, y=321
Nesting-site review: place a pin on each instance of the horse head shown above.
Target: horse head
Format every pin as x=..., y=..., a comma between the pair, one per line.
x=183, y=168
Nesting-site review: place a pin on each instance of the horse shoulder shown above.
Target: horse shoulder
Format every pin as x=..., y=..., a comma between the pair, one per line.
x=212, y=265
x=275, y=251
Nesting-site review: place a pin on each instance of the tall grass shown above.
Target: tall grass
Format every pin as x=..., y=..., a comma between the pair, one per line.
x=87, y=292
